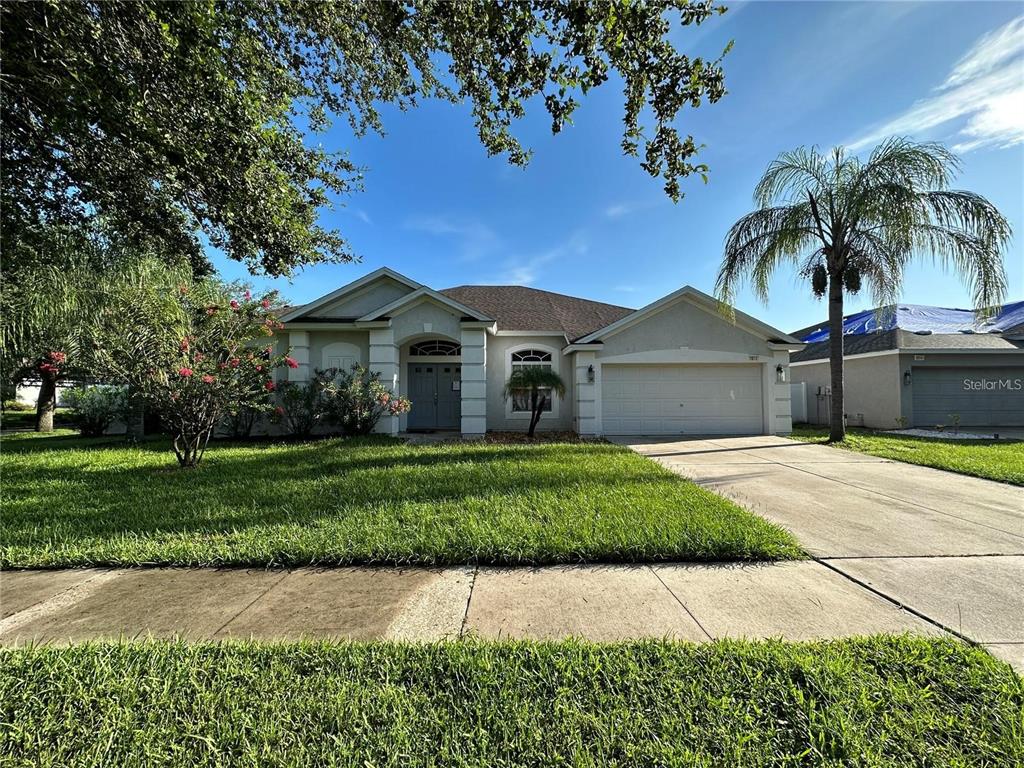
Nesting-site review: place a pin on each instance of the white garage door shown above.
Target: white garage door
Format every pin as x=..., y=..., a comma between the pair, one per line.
x=681, y=399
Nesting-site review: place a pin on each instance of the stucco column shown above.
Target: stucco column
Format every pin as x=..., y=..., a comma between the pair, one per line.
x=384, y=359
x=298, y=341
x=588, y=414
x=474, y=382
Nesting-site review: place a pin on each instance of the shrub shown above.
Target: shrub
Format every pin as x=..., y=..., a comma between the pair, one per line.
x=358, y=400
x=192, y=352
x=94, y=409
x=303, y=405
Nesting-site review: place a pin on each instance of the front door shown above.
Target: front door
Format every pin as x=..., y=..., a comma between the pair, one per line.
x=434, y=390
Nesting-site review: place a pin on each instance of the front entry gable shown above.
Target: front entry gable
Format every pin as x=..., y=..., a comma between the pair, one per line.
x=350, y=302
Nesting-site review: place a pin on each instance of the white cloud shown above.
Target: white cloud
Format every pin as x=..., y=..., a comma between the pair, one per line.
x=626, y=207
x=526, y=270
x=475, y=239
x=363, y=216
x=984, y=90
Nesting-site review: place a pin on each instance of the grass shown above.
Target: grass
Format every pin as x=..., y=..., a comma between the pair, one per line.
x=881, y=701
x=11, y=419
x=72, y=502
x=1001, y=460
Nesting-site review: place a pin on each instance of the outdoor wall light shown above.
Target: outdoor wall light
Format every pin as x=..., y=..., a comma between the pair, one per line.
x=780, y=373
x=906, y=378
x=590, y=374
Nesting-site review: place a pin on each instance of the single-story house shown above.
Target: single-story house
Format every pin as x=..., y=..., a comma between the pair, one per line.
x=918, y=366
x=677, y=366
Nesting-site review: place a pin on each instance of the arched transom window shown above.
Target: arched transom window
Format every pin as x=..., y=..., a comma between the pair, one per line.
x=435, y=348
x=521, y=359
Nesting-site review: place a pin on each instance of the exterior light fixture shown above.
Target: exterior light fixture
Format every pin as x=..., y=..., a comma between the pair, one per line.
x=590, y=374
x=780, y=373
x=906, y=378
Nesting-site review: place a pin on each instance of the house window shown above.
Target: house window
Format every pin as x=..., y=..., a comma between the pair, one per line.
x=435, y=348
x=522, y=359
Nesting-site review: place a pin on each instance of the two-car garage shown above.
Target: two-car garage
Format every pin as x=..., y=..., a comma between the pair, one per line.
x=682, y=399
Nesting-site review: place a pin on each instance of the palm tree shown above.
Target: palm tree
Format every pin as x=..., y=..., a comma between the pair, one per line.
x=841, y=222
x=541, y=382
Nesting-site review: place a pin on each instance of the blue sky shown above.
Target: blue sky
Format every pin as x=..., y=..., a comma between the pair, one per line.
x=584, y=220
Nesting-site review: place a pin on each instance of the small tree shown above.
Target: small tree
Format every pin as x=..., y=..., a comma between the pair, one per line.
x=94, y=409
x=303, y=405
x=843, y=222
x=192, y=353
x=539, y=383
x=358, y=400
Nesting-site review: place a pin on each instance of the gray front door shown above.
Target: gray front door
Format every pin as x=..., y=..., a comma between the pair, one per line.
x=434, y=389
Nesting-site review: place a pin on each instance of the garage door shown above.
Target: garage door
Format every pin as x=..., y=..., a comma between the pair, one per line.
x=983, y=397
x=681, y=399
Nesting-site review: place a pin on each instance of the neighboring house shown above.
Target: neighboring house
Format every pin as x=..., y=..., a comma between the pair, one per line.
x=677, y=366
x=920, y=366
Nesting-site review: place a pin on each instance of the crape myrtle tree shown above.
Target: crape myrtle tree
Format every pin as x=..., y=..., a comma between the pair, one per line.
x=843, y=222
x=538, y=383
x=179, y=118
x=195, y=351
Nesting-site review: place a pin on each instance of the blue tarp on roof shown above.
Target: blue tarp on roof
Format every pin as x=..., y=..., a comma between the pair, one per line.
x=918, y=318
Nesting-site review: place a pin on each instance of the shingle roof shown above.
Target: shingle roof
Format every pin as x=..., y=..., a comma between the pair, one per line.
x=518, y=308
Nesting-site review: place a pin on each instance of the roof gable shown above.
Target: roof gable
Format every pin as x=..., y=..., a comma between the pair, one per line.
x=379, y=288
x=418, y=296
x=701, y=300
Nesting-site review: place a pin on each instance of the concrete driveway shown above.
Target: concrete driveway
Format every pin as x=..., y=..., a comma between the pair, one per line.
x=947, y=547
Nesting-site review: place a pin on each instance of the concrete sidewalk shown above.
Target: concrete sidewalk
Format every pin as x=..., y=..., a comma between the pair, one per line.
x=796, y=601
x=946, y=546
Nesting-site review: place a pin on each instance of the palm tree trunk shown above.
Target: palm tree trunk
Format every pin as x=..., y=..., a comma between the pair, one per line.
x=47, y=402
x=837, y=428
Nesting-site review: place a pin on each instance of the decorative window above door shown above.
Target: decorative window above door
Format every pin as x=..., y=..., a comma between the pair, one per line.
x=435, y=348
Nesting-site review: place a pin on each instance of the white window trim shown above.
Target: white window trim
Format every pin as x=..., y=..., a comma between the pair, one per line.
x=555, y=367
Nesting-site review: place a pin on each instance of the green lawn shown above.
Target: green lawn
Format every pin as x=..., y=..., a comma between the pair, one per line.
x=69, y=501
x=879, y=701
x=1001, y=460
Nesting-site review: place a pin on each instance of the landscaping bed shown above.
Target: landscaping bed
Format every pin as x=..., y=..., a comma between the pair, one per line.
x=1001, y=460
x=74, y=502
x=882, y=701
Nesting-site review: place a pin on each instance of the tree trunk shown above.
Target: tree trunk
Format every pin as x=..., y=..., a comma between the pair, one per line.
x=534, y=413
x=837, y=422
x=47, y=403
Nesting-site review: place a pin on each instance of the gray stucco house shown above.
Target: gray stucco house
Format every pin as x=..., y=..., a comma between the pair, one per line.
x=677, y=366
x=919, y=366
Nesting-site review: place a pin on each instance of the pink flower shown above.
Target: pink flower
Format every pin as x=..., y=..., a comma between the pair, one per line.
x=383, y=398
x=265, y=303
x=269, y=386
x=247, y=295
x=57, y=357
x=199, y=356
x=211, y=310
x=208, y=379
x=234, y=361
x=268, y=350
x=185, y=372
x=291, y=362
x=221, y=366
x=48, y=367
x=259, y=367
x=279, y=411
x=183, y=346
x=234, y=304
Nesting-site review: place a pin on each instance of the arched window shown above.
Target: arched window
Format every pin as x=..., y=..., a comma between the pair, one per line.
x=435, y=348
x=522, y=358
x=341, y=355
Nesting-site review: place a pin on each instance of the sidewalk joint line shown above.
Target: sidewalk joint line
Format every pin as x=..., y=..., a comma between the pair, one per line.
x=902, y=606
x=676, y=597
x=258, y=597
x=469, y=599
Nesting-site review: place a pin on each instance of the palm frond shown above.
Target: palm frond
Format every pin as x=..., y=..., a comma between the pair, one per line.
x=759, y=243
x=791, y=175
